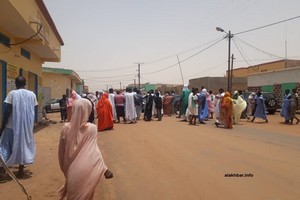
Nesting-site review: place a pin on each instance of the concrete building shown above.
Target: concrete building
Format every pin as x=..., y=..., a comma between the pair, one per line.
x=265, y=67
x=276, y=82
x=215, y=83
x=57, y=81
x=28, y=38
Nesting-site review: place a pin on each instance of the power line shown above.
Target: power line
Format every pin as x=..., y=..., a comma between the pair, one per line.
x=182, y=52
x=187, y=57
x=112, y=76
x=103, y=70
x=270, y=54
x=241, y=53
x=38, y=32
x=267, y=25
x=149, y=62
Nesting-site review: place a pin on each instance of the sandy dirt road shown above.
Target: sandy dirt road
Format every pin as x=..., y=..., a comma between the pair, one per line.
x=173, y=160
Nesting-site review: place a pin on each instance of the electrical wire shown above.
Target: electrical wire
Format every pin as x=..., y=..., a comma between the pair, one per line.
x=186, y=58
x=254, y=29
x=270, y=54
x=182, y=52
x=250, y=65
x=112, y=76
x=38, y=32
x=152, y=61
x=103, y=70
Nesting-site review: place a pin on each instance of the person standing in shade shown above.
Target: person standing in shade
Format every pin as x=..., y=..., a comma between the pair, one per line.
x=16, y=134
x=63, y=108
x=79, y=156
x=260, y=110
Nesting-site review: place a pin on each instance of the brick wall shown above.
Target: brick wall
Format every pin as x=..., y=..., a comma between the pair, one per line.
x=277, y=88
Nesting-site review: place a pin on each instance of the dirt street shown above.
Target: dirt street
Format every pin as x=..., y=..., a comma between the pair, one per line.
x=170, y=159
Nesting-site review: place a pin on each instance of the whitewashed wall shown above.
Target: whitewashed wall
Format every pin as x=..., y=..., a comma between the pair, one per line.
x=278, y=77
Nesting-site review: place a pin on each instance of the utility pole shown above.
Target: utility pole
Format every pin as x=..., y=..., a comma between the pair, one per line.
x=139, y=74
x=180, y=70
x=229, y=35
x=229, y=54
x=231, y=73
x=120, y=86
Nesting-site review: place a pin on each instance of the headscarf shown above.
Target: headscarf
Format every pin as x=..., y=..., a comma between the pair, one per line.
x=185, y=87
x=226, y=101
x=79, y=156
x=76, y=128
x=103, y=100
x=74, y=96
x=235, y=95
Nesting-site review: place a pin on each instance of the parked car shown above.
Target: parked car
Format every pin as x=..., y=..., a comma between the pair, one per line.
x=270, y=101
x=52, y=105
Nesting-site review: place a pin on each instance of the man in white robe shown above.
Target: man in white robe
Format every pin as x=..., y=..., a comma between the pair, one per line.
x=16, y=134
x=111, y=98
x=130, y=112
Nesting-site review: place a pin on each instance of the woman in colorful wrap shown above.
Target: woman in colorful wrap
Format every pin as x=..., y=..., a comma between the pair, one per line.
x=79, y=156
x=226, y=112
x=104, y=113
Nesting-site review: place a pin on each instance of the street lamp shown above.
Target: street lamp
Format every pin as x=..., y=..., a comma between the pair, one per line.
x=229, y=35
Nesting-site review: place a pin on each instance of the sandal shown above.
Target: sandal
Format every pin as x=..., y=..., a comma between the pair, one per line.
x=108, y=174
x=3, y=178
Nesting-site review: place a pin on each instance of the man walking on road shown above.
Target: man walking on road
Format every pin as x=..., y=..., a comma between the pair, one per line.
x=17, y=142
x=260, y=110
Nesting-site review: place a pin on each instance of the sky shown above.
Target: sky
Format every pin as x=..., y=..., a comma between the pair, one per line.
x=105, y=40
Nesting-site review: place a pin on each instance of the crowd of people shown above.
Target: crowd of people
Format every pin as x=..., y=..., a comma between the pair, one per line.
x=79, y=156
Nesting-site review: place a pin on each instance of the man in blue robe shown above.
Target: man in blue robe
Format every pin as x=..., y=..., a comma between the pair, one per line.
x=260, y=110
x=286, y=107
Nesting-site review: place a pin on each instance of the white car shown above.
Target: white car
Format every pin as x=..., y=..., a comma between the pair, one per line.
x=52, y=105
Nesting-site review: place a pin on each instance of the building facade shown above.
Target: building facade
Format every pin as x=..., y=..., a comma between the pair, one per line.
x=28, y=38
x=265, y=67
x=215, y=83
x=276, y=82
x=57, y=81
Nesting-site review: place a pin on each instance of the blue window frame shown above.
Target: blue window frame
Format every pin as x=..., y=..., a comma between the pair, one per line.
x=25, y=53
